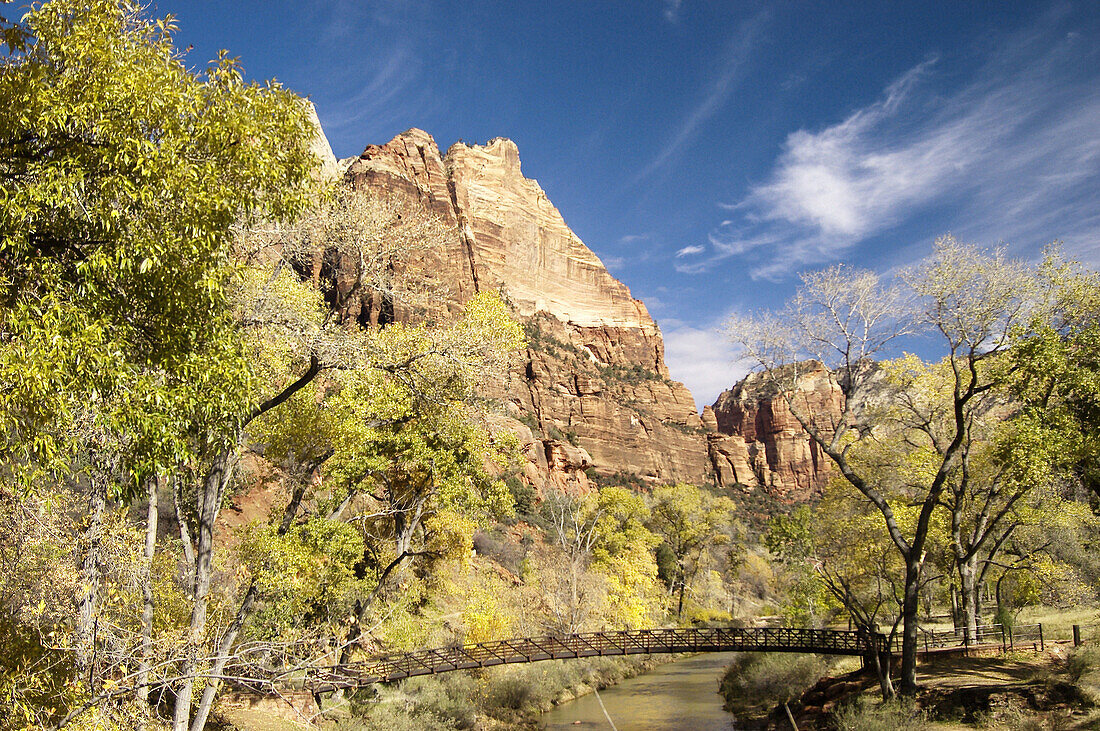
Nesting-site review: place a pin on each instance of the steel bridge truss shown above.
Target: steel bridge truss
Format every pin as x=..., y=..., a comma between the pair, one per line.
x=626, y=642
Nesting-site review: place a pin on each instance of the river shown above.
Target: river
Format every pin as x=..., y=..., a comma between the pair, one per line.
x=676, y=696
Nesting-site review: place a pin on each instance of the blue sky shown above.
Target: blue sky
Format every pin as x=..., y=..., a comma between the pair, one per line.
x=708, y=152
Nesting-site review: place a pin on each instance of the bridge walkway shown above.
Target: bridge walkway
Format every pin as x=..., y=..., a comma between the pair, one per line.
x=624, y=642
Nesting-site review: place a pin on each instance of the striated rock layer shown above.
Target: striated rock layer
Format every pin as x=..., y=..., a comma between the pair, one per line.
x=593, y=390
x=755, y=441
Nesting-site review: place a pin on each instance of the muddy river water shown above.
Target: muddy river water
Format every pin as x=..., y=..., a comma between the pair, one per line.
x=677, y=696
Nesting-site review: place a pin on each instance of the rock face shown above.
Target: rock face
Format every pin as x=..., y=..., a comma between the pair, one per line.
x=755, y=441
x=593, y=389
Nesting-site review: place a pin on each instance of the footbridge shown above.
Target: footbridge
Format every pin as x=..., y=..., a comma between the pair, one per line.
x=625, y=642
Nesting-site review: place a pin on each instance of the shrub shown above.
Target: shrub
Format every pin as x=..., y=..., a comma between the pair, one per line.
x=513, y=692
x=760, y=681
x=1083, y=668
x=899, y=715
x=392, y=717
x=448, y=697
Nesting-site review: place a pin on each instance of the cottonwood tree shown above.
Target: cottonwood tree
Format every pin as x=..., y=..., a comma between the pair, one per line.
x=1054, y=367
x=691, y=521
x=398, y=422
x=123, y=173
x=412, y=445
x=571, y=590
x=623, y=556
x=972, y=300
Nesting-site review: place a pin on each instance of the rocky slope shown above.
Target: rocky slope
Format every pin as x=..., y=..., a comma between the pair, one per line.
x=593, y=390
x=755, y=441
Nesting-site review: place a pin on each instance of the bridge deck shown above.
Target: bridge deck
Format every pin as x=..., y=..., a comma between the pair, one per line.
x=626, y=642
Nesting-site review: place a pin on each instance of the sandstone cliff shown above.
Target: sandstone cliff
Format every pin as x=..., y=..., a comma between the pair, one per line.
x=593, y=389
x=755, y=441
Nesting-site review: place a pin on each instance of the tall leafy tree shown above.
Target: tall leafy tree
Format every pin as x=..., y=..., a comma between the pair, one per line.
x=691, y=521
x=974, y=301
x=124, y=173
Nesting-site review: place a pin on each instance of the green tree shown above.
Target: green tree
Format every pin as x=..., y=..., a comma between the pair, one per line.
x=973, y=300
x=691, y=521
x=124, y=174
x=1054, y=369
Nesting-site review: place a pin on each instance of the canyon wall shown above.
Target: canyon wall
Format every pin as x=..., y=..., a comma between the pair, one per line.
x=592, y=391
x=755, y=441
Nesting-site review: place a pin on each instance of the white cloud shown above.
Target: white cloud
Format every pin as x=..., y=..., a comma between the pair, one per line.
x=613, y=262
x=1016, y=152
x=690, y=251
x=672, y=10
x=738, y=53
x=703, y=358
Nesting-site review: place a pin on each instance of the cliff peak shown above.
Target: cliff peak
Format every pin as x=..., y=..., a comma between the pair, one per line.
x=595, y=369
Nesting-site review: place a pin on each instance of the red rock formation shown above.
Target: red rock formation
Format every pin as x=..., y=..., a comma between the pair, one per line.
x=756, y=441
x=594, y=385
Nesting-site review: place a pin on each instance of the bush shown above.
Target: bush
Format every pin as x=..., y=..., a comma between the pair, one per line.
x=500, y=549
x=512, y=692
x=757, y=681
x=1083, y=668
x=899, y=715
x=521, y=690
x=392, y=717
x=448, y=697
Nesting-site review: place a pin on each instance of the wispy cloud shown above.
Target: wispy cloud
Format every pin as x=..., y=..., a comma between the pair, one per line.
x=387, y=94
x=690, y=251
x=737, y=54
x=672, y=10
x=1016, y=152
x=613, y=262
x=385, y=90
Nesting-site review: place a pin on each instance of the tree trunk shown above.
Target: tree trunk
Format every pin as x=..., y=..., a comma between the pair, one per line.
x=882, y=672
x=910, y=607
x=151, y=522
x=90, y=571
x=181, y=520
x=222, y=658
x=968, y=579
x=680, y=600
x=213, y=487
x=956, y=611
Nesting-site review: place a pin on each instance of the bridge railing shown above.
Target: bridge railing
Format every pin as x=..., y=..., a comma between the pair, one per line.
x=626, y=642
x=1021, y=635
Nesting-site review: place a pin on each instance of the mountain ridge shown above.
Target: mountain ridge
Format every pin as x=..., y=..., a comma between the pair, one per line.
x=592, y=395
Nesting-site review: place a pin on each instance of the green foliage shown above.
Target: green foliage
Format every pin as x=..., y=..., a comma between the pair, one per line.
x=666, y=564
x=790, y=536
x=691, y=521
x=307, y=571
x=125, y=172
x=633, y=373
x=413, y=427
x=619, y=479
x=394, y=717
x=1055, y=369
x=756, y=682
x=524, y=497
x=448, y=697
x=1083, y=668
